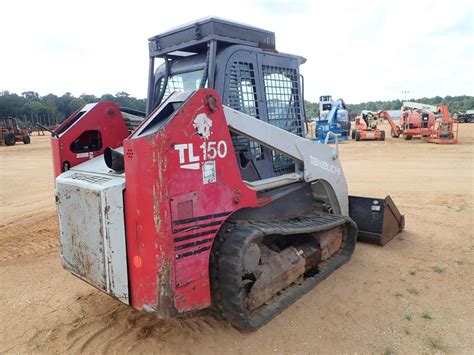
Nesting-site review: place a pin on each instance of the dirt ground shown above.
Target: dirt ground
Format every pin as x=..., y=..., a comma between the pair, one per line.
x=415, y=295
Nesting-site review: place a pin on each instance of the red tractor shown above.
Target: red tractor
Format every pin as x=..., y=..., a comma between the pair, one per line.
x=10, y=132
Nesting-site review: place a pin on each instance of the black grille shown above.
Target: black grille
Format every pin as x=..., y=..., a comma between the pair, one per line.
x=283, y=107
x=243, y=97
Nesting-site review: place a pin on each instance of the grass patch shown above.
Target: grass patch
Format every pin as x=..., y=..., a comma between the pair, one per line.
x=439, y=269
x=412, y=291
x=436, y=344
x=426, y=315
x=407, y=317
x=412, y=272
x=388, y=350
x=407, y=331
x=397, y=294
x=459, y=262
x=37, y=344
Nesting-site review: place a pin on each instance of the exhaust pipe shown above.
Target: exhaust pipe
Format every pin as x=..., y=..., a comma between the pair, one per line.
x=114, y=160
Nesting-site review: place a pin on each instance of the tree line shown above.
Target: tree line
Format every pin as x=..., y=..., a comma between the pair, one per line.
x=51, y=109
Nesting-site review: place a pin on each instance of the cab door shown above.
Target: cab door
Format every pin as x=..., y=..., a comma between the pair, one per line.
x=242, y=91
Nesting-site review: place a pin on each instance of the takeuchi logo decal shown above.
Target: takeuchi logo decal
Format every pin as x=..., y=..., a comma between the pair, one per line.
x=203, y=125
x=192, y=155
x=325, y=165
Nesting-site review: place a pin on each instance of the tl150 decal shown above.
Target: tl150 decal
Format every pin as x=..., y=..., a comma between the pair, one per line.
x=189, y=157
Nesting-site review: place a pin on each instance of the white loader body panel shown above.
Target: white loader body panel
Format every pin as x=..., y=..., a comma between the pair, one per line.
x=91, y=213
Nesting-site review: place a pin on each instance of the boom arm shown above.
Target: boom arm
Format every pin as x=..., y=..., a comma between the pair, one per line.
x=443, y=109
x=444, y=112
x=333, y=113
x=388, y=117
x=314, y=161
x=420, y=106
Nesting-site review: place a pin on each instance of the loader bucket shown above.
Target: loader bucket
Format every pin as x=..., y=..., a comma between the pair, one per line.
x=378, y=220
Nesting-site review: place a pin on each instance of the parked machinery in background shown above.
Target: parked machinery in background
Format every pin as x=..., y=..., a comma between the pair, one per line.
x=417, y=120
x=366, y=126
x=445, y=129
x=333, y=117
x=467, y=117
x=432, y=123
x=10, y=132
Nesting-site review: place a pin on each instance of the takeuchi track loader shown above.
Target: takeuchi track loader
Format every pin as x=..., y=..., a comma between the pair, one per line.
x=200, y=203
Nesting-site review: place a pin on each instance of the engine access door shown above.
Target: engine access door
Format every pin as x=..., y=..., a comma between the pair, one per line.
x=91, y=214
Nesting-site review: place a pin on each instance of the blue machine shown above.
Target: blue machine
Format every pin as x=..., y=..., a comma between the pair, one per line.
x=333, y=117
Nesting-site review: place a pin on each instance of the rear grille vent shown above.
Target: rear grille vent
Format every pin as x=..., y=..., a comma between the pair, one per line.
x=90, y=178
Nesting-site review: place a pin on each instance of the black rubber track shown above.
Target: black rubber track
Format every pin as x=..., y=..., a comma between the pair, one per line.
x=226, y=264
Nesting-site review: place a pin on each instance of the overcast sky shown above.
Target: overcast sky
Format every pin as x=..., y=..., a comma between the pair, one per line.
x=358, y=50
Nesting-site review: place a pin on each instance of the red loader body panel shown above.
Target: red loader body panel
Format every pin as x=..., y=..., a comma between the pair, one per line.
x=86, y=134
x=182, y=183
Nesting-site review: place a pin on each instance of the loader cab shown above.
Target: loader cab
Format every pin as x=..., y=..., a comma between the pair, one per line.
x=242, y=64
x=325, y=103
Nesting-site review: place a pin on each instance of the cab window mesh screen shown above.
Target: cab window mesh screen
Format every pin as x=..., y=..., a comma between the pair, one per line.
x=175, y=83
x=243, y=97
x=283, y=107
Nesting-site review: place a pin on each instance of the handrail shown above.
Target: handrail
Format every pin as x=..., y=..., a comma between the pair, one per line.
x=336, y=140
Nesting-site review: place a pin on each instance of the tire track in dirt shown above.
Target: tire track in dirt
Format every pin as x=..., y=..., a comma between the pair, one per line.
x=119, y=328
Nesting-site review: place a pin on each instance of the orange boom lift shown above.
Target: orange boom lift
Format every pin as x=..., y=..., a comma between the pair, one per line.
x=366, y=126
x=445, y=130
